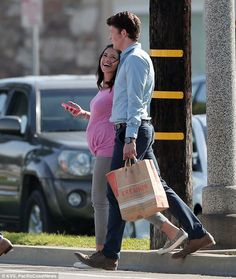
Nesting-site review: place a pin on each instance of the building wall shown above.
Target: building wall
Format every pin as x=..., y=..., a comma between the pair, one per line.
x=198, y=38
x=69, y=41
x=198, y=44
x=73, y=34
x=141, y=9
x=197, y=30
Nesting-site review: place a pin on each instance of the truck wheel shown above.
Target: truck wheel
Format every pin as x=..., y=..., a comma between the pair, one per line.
x=37, y=218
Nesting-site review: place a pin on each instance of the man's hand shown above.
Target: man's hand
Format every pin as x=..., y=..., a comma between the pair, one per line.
x=129, y=151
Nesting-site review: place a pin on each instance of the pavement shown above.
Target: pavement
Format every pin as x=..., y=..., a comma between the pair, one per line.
x=205, y=262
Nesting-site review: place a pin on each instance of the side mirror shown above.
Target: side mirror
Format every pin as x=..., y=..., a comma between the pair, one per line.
x=10, y=125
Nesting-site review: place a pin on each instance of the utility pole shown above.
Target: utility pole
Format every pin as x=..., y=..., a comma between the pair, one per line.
x=171, y=106
x=32, y=18
x=105, y=10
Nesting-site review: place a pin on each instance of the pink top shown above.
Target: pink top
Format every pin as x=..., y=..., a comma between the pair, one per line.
x=100, y=132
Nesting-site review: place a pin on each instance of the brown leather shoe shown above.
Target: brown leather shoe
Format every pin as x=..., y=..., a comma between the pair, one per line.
x=97, y=260
x=5, y=246
x=195, y=244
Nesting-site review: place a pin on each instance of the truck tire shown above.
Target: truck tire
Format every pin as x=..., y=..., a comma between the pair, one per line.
x=37, y=218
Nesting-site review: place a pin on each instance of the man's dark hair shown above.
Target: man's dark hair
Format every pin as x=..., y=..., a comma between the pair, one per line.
x=128, y=21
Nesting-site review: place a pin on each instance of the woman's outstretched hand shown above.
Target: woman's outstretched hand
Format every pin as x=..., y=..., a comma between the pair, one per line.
x=75, y=109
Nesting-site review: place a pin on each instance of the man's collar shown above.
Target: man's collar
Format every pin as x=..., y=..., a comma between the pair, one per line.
x=130, y=47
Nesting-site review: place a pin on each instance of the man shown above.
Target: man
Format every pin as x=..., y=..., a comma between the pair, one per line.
x=5, y=245
x=134, y=138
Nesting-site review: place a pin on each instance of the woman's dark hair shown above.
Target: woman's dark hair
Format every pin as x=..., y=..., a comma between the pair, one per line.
x=100, y=74
x=128, y=21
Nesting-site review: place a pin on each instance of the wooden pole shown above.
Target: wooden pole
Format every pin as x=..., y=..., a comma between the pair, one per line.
x=171, y=109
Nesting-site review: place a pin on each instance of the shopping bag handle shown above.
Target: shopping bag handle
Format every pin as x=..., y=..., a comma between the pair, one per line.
x=129, y=162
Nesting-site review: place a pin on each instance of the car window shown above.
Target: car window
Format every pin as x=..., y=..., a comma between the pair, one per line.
x=196, y=163
x=54, y=118
x=199, y=100
x=194, y=89
x=19, y=106
x=3, y=98
x=204, y=129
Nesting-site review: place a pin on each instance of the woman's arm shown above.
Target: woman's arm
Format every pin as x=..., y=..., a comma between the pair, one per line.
x=77, y=111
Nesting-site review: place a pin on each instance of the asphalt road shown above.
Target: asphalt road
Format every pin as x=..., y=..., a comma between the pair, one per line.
x=11, y=271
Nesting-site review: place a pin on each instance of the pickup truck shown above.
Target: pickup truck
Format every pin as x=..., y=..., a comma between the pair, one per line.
x=45, y=163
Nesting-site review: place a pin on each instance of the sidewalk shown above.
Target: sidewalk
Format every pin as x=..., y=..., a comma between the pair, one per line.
x=215, y=262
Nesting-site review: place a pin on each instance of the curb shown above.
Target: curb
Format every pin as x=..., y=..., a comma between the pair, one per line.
x=217, y=263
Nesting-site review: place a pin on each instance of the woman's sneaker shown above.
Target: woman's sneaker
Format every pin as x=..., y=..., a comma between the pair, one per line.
x=170, y=245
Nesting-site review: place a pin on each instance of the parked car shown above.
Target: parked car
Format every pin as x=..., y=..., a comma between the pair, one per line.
x=199, y=140
x=45, y=164
x=199, y=95
x=199, y=160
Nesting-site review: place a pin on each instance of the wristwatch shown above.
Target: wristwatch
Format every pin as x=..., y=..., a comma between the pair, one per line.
x=129, y=140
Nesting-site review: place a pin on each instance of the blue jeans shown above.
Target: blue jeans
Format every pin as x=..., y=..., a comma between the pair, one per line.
x=177, y=207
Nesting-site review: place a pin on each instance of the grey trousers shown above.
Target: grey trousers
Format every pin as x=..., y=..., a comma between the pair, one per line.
x=99, y=197
x=157, y=220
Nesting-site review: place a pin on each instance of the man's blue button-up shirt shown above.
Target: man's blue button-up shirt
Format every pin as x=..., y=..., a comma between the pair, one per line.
x=133, y=89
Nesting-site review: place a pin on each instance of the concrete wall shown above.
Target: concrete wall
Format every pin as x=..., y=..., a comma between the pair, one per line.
x=69, y=40
x=71, y=37
x=73, y=34
x=198, y=38
x=141, y=8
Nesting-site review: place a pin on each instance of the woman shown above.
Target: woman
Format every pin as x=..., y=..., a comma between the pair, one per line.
x=100, y=136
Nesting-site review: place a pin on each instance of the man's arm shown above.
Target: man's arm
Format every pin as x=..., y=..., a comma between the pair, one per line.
x=136, y=76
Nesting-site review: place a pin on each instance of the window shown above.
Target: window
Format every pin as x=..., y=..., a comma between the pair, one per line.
x=19, y=107
x=53, y=116
x=199, y=100
x=196, y=160
x=3, y=98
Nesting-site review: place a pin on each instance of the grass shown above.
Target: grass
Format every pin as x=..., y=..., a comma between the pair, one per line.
x=61, y=240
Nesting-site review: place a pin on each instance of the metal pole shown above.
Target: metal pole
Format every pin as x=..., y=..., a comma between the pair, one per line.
x=106, y=10
x=36, y=66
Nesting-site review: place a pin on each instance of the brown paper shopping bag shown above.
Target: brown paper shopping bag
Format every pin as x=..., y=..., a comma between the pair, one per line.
x=138, y=190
